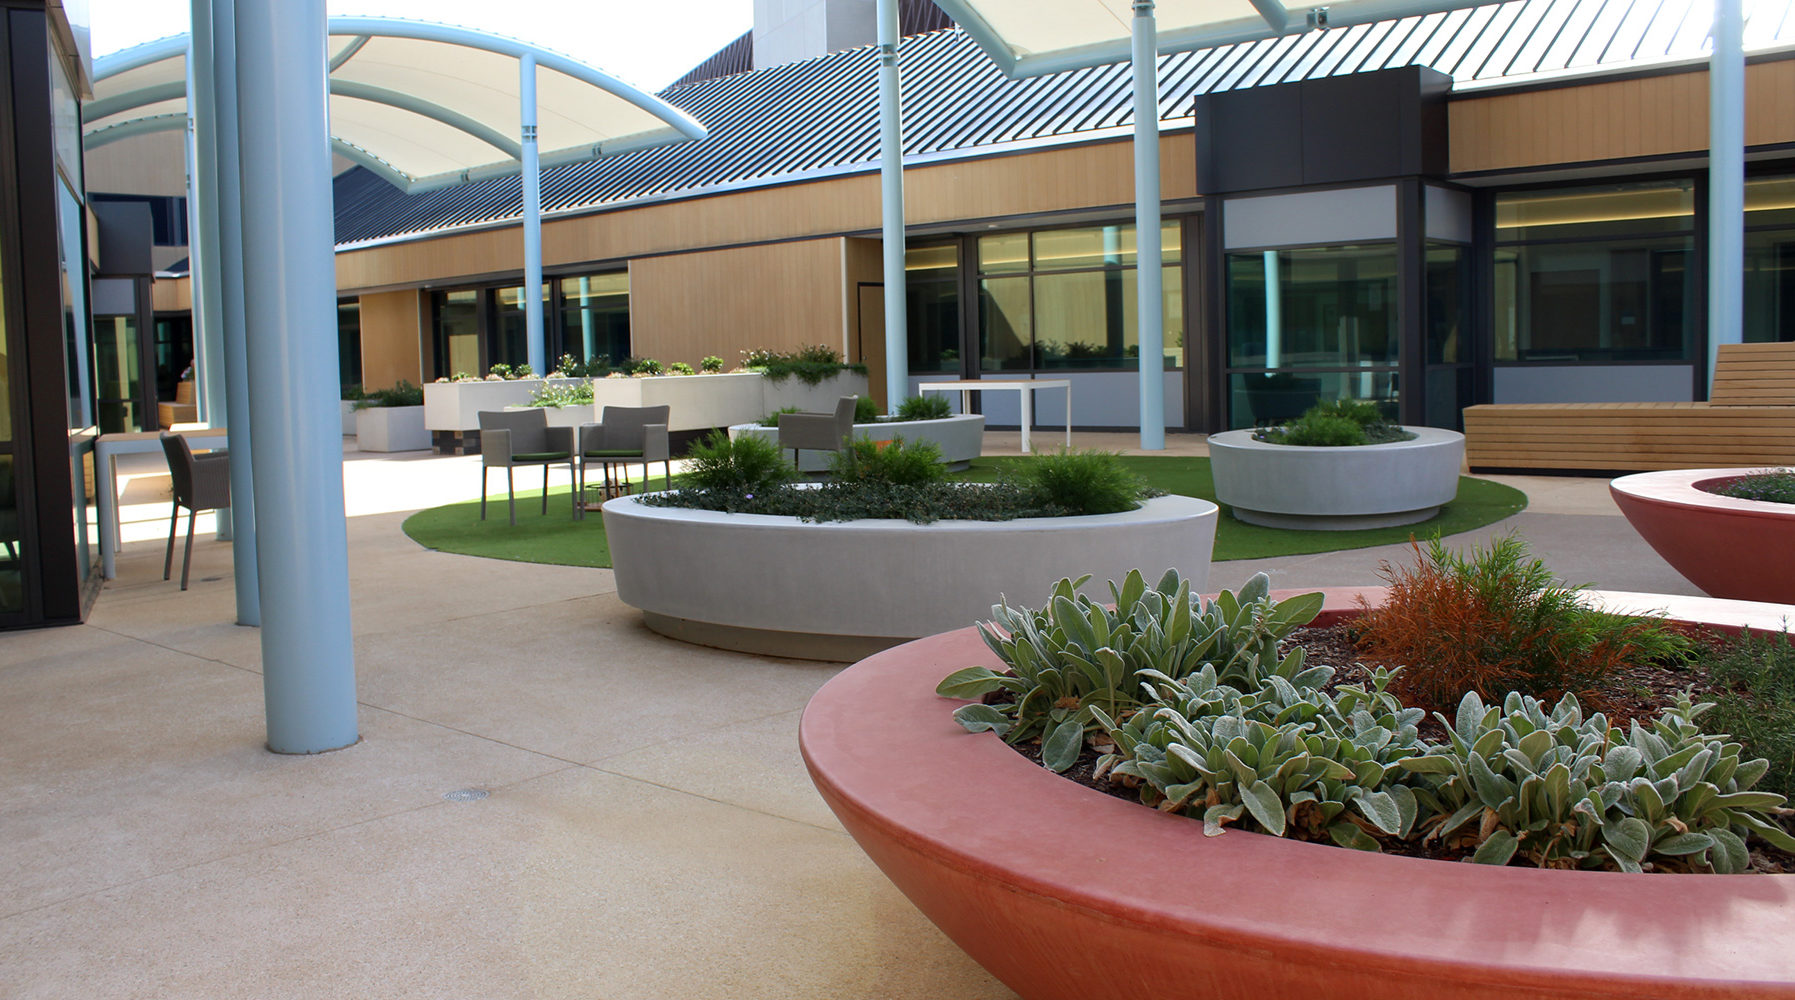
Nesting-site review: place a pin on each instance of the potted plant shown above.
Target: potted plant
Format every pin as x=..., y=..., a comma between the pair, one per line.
x=566, y=403
x=1729, y=531
x=1340, y=466
x=392, y=419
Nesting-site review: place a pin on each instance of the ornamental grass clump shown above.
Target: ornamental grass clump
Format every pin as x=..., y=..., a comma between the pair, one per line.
x=866, y=410
x=1078, y=482
x=737, y=469
x=1337, y=423
x=1495, y=620
x=933, y=407
x=402, y=394
x=811, y=364
x=1771, y=485
x=894, y=463
x=1756, y=700
x=1187, y=702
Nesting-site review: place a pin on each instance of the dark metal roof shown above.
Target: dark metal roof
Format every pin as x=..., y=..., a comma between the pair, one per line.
x=914, y=18
x=820, y=115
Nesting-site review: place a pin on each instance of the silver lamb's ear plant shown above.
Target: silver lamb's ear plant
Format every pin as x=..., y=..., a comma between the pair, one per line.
x=1074, y=656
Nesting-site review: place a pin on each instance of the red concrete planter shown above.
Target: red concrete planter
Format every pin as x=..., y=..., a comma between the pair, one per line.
x=1739, y=549
x=1064, y=893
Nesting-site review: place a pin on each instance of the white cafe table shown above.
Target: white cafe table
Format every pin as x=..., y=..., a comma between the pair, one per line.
x=1023, y=387
x=106, y=450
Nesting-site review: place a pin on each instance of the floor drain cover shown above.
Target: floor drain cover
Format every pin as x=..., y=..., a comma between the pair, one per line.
x=466, y=794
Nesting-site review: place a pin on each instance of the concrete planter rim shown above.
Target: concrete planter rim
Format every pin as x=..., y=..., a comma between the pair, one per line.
x=1683, y=488
x=1149, y=512
x=1598, y=933
x=1424, y=436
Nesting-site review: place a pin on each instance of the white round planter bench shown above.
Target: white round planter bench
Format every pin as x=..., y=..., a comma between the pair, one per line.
x=839, y=590
x=1337, y=489
x=960, y=437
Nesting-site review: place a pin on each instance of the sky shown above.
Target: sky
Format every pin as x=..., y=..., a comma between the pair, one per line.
x=647, y=43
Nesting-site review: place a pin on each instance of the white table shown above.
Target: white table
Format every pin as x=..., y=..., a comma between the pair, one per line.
x=106, y=450
x=1023, y=387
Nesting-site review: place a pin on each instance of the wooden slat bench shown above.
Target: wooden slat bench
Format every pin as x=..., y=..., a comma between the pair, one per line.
x=1748, y=421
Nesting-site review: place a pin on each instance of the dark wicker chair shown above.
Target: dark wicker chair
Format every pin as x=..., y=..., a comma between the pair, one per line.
x=510, y=438
x=818, y=431
x=201, y=482
x=626, y=434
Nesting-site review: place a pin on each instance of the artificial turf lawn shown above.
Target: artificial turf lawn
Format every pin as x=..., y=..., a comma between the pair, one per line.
x=555, y=538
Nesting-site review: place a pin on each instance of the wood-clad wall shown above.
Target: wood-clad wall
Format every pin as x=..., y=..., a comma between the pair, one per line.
x=391, y=329
x=863, y=263
x=1645, y=116
x=171, y=295
x=782, y=296
x=1066, y=178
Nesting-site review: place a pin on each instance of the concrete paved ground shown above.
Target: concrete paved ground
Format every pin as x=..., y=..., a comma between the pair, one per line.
x=648, y=831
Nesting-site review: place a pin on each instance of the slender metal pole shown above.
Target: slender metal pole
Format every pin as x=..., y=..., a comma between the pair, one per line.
x=226, y=215
x=1274, y=313
x=308, y=667
x=536, y=349
x=1148, y=277
x=891, y=210
x=1726, y=181
x=208, y=351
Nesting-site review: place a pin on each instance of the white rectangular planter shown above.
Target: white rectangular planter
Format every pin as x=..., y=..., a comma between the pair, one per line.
x=819, y=398
x=456, y=406
x=391, y=428
x=566, y=416
x=694, y=402
x=348, y=413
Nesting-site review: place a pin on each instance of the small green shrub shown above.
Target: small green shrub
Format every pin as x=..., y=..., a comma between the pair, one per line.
x=551, y=394
x=810, y=364
x=1337, y=423
x=866, y=410
x=681, y=368
x=747, y=465
x=1757, y=703
x=1772, y=485
x=898, y=463
x=772, y=419
x=1079, y=482
x=648, y=366
x=710, y=364
x=353, y=391
x=932, y=407
x=1494, y=620
x=403, y=394
x=598, y=366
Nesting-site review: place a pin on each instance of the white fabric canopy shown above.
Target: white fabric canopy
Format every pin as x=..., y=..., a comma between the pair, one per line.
x=424, y=105
x=1031, y=37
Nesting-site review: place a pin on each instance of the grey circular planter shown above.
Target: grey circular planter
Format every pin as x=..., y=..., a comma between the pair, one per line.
x=1337, y=489
x=840, y=590
x=960, y=438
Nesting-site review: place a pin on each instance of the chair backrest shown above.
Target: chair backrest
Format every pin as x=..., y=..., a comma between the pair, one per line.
x=180, y=465
x=1754, y=375
x=529, y=428
x=844, y=414
x=623, y=424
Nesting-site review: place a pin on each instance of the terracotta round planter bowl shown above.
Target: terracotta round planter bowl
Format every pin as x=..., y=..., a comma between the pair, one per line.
x=1065, y=893
x=1739, y=549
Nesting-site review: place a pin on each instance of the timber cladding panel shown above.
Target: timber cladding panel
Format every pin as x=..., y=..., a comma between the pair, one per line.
x=780, y=296
x=1095, y=175
x=1645, y=116
x=391, y=325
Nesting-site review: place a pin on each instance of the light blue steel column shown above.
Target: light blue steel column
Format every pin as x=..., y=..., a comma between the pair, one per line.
x=1149, y=277
x=208, y=352
x=536, y=348
x=215, y=35
x=308, y=668
x=1726, y=181
x=891, y=210
x=1274, y=312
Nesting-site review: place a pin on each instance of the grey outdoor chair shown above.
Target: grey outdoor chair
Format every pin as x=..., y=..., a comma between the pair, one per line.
x=510, y=438
x=626, y=434
x=201, y=482
x=818, y=431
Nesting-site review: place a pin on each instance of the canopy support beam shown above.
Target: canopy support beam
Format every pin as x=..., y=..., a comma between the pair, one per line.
x=536, y=348
x=1149, y=275
x=308, y=662
x=891, y=211
x=1726, y=181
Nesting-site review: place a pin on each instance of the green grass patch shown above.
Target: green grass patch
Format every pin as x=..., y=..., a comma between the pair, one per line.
x=553, y=538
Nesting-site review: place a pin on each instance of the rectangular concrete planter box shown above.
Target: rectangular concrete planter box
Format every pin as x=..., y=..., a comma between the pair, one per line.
x=819, y=398
x=456, y=406
x=348, y=413
x=694, y=402
x=565, y=416
x=391, y=428
x=960, y=437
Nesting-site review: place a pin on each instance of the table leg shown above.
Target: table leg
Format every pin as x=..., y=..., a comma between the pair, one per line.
x=1028, y=414
x=965, y=401
x=1068, y=417
x=106, y=496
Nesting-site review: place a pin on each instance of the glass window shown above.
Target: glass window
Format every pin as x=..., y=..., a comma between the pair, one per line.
x=932, y=308
x=117, y=381
x=174, y=352
x=1447, y=281
x=1256, y=398
x=1321, y=307
x=349, y=341
x=1076, y=309
x=458, y=333
x=12, y=562
x=510, y=342
x=1604, y=211
x=1770, y=259
x=595, y=316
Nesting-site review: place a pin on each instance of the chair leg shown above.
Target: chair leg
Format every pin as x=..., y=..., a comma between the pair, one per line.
x=187, y=557
x=545, y=488
x=511, y=493
x=174, y=524
x=483, y=478
x=577, y=507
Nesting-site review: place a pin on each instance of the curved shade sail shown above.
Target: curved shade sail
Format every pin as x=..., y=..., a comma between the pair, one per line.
x=423, y=105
